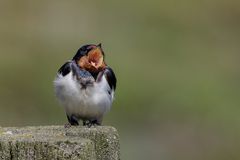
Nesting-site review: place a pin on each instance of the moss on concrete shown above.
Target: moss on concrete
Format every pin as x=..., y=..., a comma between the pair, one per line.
x=57, y=142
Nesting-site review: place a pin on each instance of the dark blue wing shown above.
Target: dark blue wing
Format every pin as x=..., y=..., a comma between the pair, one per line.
x=111, y=78
x=65, y=69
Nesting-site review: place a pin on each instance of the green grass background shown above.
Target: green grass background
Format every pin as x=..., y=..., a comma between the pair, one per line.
x=177, y=64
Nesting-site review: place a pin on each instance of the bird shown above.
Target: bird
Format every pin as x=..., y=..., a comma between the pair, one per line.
x=85, y=86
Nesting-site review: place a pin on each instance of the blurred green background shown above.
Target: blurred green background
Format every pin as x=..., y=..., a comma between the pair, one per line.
x=177, y=64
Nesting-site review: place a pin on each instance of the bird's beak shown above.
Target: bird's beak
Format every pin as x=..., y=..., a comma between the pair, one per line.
x=99, y=45
x=94, y=64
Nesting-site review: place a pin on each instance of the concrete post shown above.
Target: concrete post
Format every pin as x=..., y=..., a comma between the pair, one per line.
x=57, y=142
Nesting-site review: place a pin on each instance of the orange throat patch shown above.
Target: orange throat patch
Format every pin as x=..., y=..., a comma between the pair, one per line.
x=93, y=62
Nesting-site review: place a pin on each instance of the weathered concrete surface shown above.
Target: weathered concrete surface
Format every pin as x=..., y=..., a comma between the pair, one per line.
x=57, y=142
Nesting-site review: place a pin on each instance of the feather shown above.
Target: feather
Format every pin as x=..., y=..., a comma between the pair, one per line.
x=65, y=69
x=111, y=78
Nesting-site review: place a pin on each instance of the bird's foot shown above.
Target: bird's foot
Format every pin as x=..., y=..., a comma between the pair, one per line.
x=67, y=125
x=89, y=123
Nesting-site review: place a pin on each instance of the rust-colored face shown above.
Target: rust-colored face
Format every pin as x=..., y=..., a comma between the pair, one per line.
x=93, y=61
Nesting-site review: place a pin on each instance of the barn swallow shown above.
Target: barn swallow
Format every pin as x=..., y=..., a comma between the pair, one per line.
x=85, y=86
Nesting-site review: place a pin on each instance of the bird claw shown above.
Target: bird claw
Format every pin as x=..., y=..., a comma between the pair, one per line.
x=67, y=125
x=89, y=123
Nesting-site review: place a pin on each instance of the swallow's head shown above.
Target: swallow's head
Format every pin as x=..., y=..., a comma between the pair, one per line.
x=90, y=57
